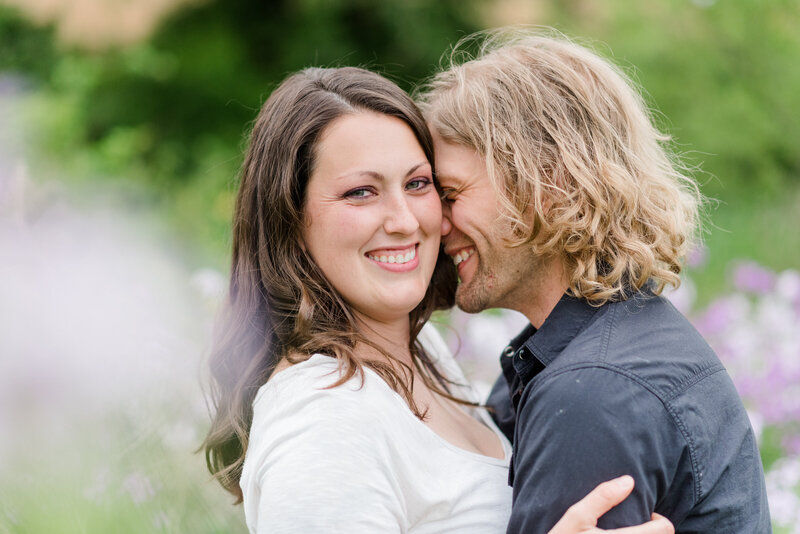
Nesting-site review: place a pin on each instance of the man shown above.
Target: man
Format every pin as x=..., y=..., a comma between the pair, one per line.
x=562, y=203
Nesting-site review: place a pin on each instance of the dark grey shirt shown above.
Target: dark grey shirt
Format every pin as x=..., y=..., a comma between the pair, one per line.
x=627, y=388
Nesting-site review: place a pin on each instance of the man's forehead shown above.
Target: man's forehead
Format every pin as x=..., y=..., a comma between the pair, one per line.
x=460, y=167
x=462, y=175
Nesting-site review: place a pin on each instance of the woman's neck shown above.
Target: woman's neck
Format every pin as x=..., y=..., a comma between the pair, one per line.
x=391, y=336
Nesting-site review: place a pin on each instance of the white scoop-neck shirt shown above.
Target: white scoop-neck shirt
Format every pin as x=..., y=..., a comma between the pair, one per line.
x=355, y=459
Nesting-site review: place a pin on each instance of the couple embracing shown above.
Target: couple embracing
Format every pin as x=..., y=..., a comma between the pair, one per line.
x=529, y=178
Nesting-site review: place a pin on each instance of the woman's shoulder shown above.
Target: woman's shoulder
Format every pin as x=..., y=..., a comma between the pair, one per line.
x=317, y=445
x=308, y=393
x=315, y=368
x=299, y=383
x=301, y=415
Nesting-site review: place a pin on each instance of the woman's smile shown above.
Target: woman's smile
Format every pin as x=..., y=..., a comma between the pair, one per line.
x=373, y=215
x=397, y=259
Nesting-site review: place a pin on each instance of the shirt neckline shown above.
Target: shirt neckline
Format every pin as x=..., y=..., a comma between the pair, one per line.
x=485, y=420
x=317, y=358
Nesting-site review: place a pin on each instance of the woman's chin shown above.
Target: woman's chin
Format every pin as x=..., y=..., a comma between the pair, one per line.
x=389, y=312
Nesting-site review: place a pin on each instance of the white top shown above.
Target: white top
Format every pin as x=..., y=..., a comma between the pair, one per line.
x=355, y=459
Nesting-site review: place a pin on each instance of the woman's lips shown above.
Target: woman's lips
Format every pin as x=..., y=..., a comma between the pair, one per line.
x=396, y=260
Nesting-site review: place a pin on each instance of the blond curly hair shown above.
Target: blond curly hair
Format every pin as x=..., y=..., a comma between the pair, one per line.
x=580, y=170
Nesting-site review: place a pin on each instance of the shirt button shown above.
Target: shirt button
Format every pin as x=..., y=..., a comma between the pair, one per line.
x=508, y=352
x=523, y=353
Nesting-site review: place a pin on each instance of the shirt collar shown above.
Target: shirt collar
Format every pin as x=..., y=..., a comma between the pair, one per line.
x=567, y=319
x=533, y=349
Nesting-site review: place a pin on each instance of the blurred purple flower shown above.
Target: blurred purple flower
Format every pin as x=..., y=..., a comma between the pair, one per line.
x=697, y=257
x=755, y=331
x=719, y=315
x=751, y=277
x=12, y=84
x=791, y=444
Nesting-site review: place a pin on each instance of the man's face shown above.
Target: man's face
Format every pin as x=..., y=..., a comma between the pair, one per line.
x=492, y=274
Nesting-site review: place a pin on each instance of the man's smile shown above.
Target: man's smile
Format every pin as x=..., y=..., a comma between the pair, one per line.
x=462, y=255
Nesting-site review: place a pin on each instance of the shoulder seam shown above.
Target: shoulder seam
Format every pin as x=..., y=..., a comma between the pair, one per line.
x=686, y=383
x=606, y=339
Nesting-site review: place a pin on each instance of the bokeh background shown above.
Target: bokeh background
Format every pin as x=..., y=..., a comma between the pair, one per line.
x=122, y=124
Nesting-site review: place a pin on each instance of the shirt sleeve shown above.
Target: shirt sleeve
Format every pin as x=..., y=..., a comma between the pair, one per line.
x=321, y=462
x=584, y=426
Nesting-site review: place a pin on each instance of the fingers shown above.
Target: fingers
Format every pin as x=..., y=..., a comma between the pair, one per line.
x=584, y=514
x=581, y=518
x=657, y=525
x=603, y=498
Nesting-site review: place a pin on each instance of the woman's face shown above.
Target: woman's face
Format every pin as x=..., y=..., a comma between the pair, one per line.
x=372, y=214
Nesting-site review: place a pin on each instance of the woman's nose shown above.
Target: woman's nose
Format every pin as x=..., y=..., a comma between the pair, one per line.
x=400, y=219
x=447, y=224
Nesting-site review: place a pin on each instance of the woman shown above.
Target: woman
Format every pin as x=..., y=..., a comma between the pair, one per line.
x=336, y=410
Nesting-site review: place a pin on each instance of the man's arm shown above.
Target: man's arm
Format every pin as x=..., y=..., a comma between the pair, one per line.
x=586, y=425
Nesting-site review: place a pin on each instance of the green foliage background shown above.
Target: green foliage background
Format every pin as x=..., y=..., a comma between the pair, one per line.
x=162, y=124
x=171, y=114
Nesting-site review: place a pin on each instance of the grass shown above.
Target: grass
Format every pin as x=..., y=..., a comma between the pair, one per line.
x=113, y=477
x=749, y=226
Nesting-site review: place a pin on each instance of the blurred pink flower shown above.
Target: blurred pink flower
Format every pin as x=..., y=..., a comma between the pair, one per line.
x=697, y=257
x=751, y=277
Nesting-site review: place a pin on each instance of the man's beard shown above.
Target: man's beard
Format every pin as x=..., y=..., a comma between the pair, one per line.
x=474, y=297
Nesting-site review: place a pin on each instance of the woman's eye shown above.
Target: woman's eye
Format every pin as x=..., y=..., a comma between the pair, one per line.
x=418, y=183
x=361, y=192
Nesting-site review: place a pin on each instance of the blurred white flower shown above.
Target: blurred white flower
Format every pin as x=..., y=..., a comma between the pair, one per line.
x=783, y=485
x=138, y=487
x=787, y=285
x=757, y=422
x=682, y=298
x=210, y=283
x=477, y=341
x=98, y=318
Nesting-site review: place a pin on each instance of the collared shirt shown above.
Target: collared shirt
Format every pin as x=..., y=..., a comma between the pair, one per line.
x=631, y=388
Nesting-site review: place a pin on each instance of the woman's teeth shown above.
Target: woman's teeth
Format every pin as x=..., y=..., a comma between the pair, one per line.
x=463, y=255
x=396, y=258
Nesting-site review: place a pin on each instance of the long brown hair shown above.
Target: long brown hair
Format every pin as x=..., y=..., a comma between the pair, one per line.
x=280, y=305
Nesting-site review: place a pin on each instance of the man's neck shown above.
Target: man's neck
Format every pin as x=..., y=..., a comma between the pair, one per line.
x=542, y=296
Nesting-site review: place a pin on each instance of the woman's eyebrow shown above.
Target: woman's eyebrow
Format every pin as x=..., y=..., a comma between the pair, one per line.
x=379, y=176
x=413, y=169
